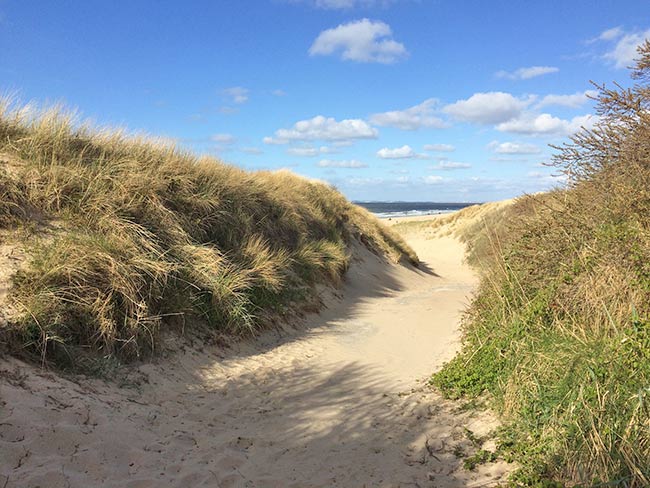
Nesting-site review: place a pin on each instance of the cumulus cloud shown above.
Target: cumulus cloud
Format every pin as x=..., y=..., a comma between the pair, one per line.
x=527, y=73
x=223, y=138
x=404, y=152
x=487, y=108
x=572, y=101
x=348, y=163
x=364, y=41
x=324, y=128
x=624, y=52
x=369, y=181
x=303, y=151
x=609, y=34
x=236, y=94
x=547, y=125
x=411, y=118
x=273, y=141
x=433, y=179
x=439, y=147
x=309, y=151
x=451, y=165
x=514, y=148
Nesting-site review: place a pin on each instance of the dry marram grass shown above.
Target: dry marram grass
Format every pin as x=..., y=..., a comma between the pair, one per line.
x=126, y=234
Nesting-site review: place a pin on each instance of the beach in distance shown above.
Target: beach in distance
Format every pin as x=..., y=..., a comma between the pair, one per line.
x=386, y=210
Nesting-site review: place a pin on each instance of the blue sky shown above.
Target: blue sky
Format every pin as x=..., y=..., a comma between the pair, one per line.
x=387, y=100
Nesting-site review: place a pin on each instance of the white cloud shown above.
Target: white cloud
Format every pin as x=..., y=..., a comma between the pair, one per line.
x=572, y=101
x=397, y=153
x=273, y=141
x=433, y=179
x=363, y=40
x=303, y=151
x=546, y=124
x=514, y=148
x=625, y=52
x=404, y=152
x=609, y=34
x=309, y=151
x=527, y=73
x=411, y=118
x=365, y=181
x=368, y=181
x=324, y=128
x=223, y=138
x=487, y=108
x=451, y=165
x=439, y=147
x=236, y=94
x=278, y=93
x=350, y=163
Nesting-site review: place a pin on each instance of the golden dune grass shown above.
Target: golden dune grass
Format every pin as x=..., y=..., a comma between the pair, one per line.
x=128, y=234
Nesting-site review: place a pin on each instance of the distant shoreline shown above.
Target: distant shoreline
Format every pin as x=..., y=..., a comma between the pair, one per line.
x=387, y=210
x=413, y=215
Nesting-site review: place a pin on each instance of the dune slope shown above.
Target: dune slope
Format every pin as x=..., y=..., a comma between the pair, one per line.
x=340, y=401
x=126, y=237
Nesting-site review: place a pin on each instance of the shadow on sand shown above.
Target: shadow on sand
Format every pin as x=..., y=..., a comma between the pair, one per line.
x=261, y=414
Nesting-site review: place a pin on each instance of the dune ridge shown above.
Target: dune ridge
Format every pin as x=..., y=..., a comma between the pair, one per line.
x=124, y=236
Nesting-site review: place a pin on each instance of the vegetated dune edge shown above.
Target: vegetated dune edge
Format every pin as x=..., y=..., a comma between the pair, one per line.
x=559, y=331
x=342, y=400
x=124, y=237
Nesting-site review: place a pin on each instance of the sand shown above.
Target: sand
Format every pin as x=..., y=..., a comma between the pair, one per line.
x=341, y=400
x=413, y=218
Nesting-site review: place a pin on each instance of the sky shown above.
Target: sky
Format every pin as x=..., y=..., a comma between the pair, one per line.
x=411, y=100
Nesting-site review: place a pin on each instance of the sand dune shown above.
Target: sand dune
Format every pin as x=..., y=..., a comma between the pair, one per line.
x=340, y=401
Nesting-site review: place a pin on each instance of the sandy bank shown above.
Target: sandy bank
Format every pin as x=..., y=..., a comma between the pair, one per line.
x=342, y=401
x=412, y=218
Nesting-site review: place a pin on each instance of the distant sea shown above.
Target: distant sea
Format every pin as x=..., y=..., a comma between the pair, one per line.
x=385, y=210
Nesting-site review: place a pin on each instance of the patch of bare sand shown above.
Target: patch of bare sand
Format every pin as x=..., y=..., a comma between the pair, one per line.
x=343, y=401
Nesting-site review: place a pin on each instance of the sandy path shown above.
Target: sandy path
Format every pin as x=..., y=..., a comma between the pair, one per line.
x=342, y=402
